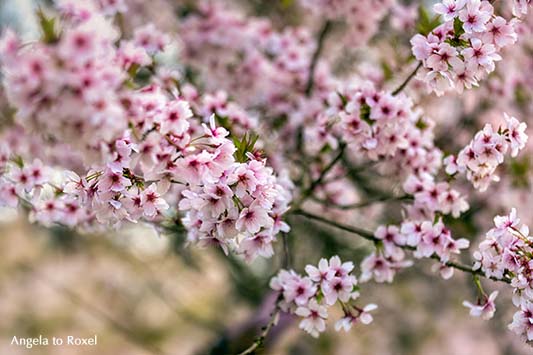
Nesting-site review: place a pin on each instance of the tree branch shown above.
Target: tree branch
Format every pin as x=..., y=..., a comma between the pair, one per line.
x=315, y=183
x=261, y=338
x=316, y=55
x=370, y=236
x=354, y=230
x=407, y=80
x=369, y=202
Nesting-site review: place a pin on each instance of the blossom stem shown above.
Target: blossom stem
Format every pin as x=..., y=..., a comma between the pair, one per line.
x=407, y=80
x=326, y=27
x=93, y=176
x=477, y=282
x=370, y=236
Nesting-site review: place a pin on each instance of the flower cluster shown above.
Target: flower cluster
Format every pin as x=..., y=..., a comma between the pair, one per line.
x=237, y=205
x=146, y=149
x=237, y=118
x=382, y=267
x=69, y=86
x=388, y=127
x=505, y=253
x=381, y=125
x=431, y=197
x=480, y=158
x=425, y=238
x=225, y=199
x=310, y=296
x=462, y=50
x=234, y=50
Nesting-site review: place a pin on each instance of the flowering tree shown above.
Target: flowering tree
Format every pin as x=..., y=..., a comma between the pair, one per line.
x=253, y=128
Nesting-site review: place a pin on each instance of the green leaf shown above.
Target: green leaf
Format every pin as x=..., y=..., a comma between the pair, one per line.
x=48, y=27
x=17, y=159
x=426, y=23
x=244, y=145
x=223, y=121
x=364, y=114
x=343, y=98
x=456, y=42
x=421, y=124
x=133, y=70
x=458, y=27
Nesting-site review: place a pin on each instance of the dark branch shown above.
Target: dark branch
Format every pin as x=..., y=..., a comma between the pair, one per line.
x=316, y=55
x=261, y=338
x=370, y=236
x=369, y=202
x=407, y=80
x=315, y=183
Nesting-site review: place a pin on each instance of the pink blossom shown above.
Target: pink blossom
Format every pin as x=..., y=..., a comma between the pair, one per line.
x=475, y=16
x=484, y=310
x=483, y=55
x=421, y=47
x=113, y=181
x=338, y=288
x=253, y=218
x=321, y=273
x=349, y=319
x=314, y=318
x=149, y=38
x=500, y=33
x=299, y=290
x=516, y=134
x=449, y=9
x=152, y=203
x=174, y=118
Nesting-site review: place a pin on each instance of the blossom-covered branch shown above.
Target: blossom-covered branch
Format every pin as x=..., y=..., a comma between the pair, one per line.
x=371, y=237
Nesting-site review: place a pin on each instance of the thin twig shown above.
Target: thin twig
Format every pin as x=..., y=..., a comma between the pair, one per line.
x=370, y=236
x=315, y=183
x=274, y=317
x=316, y=55
x=407, y=80
x=362, y=204
x=354, y=230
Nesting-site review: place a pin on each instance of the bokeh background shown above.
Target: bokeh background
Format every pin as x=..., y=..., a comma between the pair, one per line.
x=147, y=293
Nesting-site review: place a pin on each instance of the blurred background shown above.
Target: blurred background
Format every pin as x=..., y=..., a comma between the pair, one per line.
x=147, y=293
